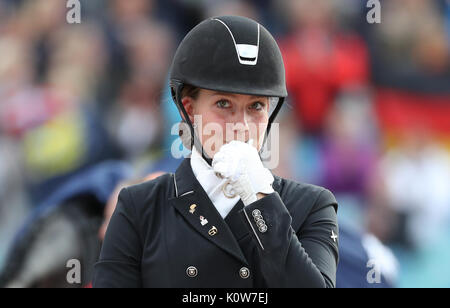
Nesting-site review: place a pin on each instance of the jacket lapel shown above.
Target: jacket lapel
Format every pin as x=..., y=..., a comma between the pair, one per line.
x=192, y=202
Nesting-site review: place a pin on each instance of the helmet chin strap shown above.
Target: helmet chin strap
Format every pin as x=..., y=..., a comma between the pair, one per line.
x=176, y=94
x=199, y=148
x=176, y=87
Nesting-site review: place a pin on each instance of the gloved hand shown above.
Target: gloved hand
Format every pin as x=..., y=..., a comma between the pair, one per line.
x=239, y=162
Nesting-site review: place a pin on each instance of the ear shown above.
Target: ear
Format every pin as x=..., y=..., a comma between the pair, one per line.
x=189, y=107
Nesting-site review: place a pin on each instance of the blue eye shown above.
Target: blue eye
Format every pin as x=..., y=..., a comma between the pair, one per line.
x=223, y=104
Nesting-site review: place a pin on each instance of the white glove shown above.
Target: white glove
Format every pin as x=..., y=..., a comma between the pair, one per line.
x=240, y=163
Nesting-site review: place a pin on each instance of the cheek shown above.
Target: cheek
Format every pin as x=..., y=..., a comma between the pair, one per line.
x=261, y=121
x=213, y=133
x=213, y=125
x=212, y=118
x=258, y=130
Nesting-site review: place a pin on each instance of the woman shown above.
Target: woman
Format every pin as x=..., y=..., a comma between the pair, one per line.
x=223, y=219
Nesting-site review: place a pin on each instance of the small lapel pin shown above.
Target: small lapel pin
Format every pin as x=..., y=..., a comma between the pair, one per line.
x=212, y=231
x=203, y=220
x=192, y=208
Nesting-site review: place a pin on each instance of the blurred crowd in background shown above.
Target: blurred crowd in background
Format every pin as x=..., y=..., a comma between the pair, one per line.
x=368, y=112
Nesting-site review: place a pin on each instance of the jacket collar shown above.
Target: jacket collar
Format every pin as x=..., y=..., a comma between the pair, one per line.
x=184, y=179
x=189, y=193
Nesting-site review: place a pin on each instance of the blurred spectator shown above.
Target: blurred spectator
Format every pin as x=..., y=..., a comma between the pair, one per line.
x=50, y=107
x=364, y=262
x=416, y=176
x=77, y=59
x=233, y=7
x=319, y=60
x=14, y=205
x=129, y=12
x=410, y=48
x=349, y=150
x=136, y=119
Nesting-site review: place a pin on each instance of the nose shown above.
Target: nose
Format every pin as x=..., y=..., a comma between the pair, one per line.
x=241, y=130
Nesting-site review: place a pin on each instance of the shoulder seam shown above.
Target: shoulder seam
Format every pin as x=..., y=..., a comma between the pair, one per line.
x=313, y=209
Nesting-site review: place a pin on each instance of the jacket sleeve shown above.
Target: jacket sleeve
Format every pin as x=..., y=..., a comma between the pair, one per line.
x=307, y=258
x=119, y=262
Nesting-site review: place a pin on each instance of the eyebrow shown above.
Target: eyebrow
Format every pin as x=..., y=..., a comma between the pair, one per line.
x=234, y=95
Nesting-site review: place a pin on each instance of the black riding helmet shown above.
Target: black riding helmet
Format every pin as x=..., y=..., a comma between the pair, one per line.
x=229, y=54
